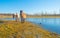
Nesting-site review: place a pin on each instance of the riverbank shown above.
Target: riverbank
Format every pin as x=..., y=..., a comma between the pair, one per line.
x=12, y=29
x=43, y=16
x=3, y=16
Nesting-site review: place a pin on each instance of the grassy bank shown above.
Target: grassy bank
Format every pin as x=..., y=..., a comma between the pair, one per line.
x=12, y=29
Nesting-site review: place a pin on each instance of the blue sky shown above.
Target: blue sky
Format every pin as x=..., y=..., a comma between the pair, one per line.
x=29, y=6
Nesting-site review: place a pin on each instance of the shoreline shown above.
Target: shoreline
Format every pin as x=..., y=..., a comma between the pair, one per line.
x=29, y=30
x=43, y=16
x=33, y=16
x=45, y=29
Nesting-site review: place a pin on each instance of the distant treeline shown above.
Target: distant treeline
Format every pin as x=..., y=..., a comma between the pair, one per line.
x=6, y=14
x=36, y=14
x=29, y=16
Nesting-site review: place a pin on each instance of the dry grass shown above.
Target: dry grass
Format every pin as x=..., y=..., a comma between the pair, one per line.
x=1, y=16
x=43, y=16
x=12, y=29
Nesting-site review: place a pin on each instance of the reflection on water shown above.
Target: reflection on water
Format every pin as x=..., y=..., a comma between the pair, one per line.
x=50, y=24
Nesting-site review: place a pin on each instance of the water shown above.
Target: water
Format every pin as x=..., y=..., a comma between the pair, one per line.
x=50, y=24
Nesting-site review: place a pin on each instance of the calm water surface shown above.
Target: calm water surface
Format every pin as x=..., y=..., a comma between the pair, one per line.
x=50, y=24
